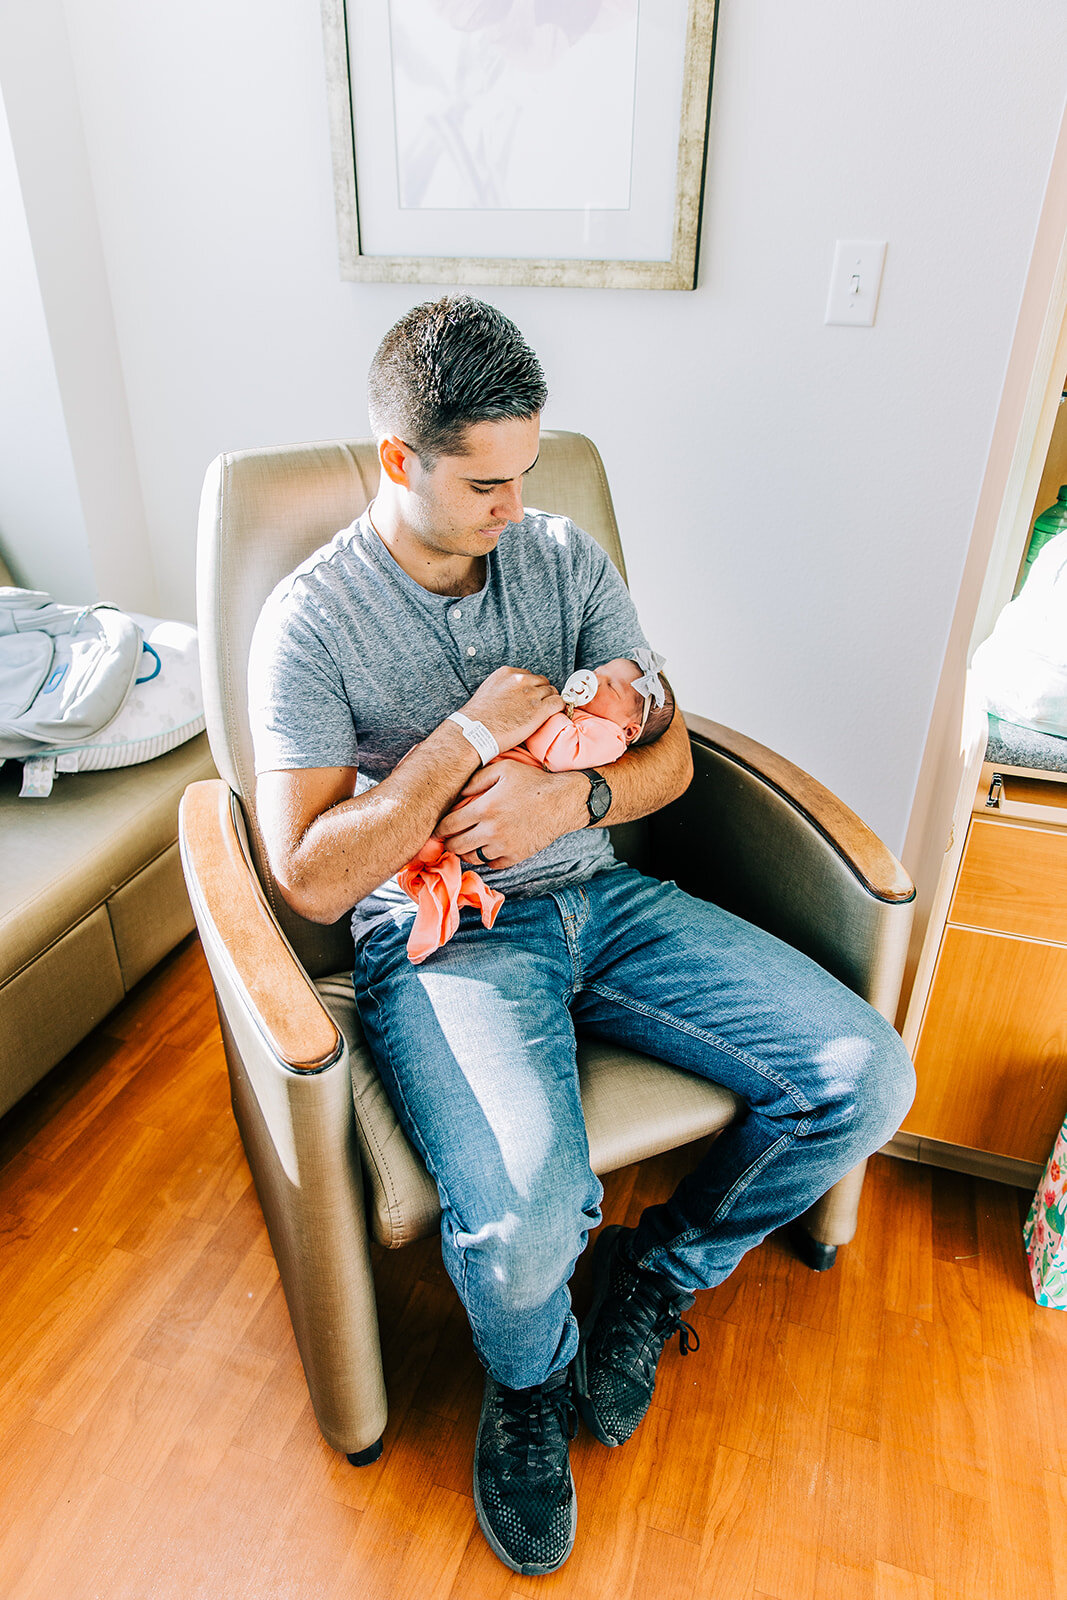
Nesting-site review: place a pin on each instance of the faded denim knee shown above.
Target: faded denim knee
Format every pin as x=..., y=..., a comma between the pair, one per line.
x=524, y=1256
x=512, y=1272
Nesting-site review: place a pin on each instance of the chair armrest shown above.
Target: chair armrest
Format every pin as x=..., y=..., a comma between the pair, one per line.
x=234, y=918
x=760, y=837
x=291, y=1088
x=872, y=863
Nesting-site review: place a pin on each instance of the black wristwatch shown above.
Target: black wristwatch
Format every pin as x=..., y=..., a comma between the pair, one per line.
x=598, y=800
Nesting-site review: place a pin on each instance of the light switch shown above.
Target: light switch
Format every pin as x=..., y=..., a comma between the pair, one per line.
x=855, y=281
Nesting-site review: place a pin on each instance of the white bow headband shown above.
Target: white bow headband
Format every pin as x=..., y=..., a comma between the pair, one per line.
x=649, y=683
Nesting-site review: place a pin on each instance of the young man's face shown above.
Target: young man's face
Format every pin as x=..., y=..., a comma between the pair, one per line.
x=462, y=505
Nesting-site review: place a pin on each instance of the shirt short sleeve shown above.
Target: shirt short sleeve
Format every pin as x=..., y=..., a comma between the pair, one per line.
x=298, y=709
x=610, y=629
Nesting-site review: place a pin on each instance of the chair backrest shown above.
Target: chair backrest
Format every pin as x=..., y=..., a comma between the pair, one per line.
x=261, y=514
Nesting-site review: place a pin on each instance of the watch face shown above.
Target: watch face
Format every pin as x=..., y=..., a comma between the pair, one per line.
x=599, y=800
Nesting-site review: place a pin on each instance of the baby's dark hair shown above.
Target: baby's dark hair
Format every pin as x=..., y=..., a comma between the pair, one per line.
x=659, y=717
x=448, y=363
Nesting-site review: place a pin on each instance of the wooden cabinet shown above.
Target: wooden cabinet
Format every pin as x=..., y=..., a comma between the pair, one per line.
x=991, y=1056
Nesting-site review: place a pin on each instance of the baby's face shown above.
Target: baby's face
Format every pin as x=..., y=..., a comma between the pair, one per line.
x=617, y=699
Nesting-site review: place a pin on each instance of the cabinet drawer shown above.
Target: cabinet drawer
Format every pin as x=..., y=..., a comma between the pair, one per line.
x=992, y=1055
x=1013, y=879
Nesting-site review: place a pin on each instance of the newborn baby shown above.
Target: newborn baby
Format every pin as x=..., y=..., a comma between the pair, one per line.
x=623, y=703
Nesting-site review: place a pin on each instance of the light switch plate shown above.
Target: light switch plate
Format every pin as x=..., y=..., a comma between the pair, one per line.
x=855, y=281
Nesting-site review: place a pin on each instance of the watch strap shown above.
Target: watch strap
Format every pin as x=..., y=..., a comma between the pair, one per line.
x=598, y=786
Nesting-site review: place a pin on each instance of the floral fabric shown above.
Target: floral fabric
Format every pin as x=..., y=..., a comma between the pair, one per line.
x=1045, y=1229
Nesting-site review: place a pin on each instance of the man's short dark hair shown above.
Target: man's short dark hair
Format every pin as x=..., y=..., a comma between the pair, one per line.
x=659, y=717
x=448, y=363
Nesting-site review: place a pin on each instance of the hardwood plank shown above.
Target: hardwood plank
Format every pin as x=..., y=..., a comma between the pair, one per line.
x=189, y=1418
x=1025, y=1547
x=432, y=1556
x=907, y=1383
x=482, y=1577
x=960, y=1417
x=667, y=1567
x=614, y=1489
x=930, y=1531
x=43, y=1463
x=733, y=1526
x=1048, y=1350
x=311, y=1540
x=849, y=1533
x=855, y=1387
x=906, y=1226
x=277, y=1408
x=789, y=1553
x=75, y=1541
x=1056, y=1495
x=211, y=1543
x=1007, y=1303
x=895, y=1583
x=834, y=1581
x=955, y=1226
x=56, y=1330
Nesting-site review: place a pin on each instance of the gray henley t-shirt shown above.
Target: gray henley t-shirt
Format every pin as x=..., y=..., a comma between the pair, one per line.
x=353, y=662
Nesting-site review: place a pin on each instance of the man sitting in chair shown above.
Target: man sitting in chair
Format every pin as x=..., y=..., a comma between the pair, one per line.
x=387, y=671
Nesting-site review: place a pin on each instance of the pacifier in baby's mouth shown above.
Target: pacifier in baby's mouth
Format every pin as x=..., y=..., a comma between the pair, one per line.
x=580, y=687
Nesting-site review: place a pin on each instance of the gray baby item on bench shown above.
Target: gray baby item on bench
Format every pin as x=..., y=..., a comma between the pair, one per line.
x=65, y=673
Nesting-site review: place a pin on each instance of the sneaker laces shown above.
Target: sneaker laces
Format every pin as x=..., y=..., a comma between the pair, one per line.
x=531, y=1424
x=651, y=1320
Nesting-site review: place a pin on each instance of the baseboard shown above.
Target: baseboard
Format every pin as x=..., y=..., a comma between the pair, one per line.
x=958, y=1158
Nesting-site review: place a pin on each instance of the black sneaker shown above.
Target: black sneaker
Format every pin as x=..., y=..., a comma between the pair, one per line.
x=633, y=1314
x=523, y=1489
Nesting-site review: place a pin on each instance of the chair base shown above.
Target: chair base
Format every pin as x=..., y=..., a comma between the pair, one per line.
x=364, y=1458
x=814, y=1254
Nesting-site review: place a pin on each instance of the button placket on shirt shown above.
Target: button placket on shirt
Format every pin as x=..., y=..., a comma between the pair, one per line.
x=460, y=622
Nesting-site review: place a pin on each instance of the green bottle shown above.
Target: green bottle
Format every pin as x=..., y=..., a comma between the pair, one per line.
x=1046, y=527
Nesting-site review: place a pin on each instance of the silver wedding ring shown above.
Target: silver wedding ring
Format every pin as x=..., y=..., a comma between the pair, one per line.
x=480, y=853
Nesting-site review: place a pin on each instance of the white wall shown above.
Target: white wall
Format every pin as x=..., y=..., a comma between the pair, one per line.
x=42, y=530
x=40, y=97
x=795, y=499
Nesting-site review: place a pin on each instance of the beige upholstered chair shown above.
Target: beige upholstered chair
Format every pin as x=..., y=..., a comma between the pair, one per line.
x=331, y=1165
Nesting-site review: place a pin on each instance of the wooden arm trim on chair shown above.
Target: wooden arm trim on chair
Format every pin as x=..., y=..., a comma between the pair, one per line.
x=872, y=862
x=297, y=1026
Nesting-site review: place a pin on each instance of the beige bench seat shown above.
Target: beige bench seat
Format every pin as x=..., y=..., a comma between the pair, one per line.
x=91, y=897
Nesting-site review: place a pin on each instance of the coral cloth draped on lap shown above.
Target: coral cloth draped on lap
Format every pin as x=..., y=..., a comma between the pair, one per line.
x=436, y=878
x=440, y=885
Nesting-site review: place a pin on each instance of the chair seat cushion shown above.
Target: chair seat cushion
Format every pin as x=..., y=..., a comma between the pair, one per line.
x=634, y=1107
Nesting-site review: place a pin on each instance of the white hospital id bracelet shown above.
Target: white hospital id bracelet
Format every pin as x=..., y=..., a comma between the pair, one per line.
x=477, y=734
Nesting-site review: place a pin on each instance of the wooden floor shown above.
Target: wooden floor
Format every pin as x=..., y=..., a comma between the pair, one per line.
x=896, y=1428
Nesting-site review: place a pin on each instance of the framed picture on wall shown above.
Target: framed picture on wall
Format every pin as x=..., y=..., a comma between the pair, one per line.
x=551, y=142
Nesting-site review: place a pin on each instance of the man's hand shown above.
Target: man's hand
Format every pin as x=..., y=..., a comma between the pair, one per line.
x=509, y=811
x=511, y=704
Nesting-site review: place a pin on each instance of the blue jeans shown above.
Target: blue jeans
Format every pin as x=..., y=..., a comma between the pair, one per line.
x=476, y=1048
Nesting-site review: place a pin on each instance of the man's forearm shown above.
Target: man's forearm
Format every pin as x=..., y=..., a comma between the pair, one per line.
x=347, y=851
x=650, y=776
